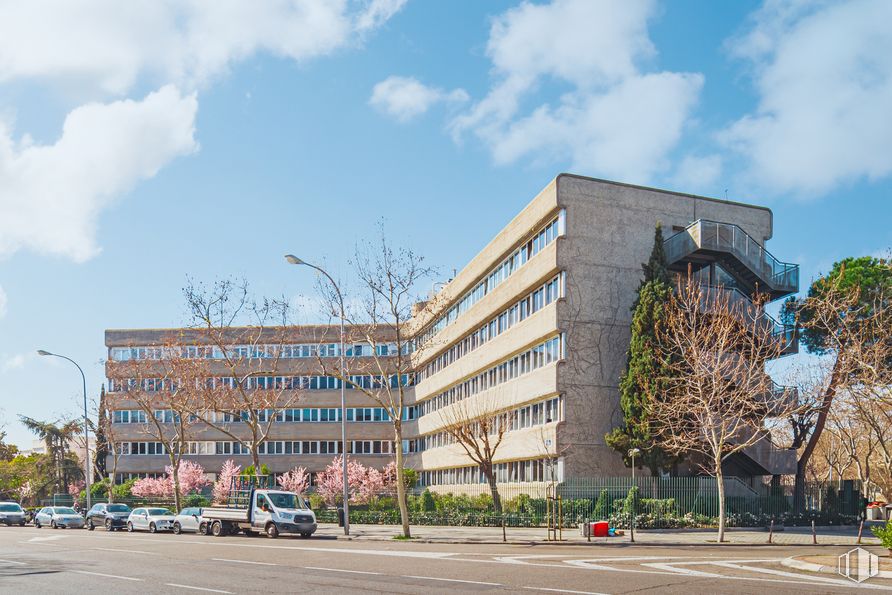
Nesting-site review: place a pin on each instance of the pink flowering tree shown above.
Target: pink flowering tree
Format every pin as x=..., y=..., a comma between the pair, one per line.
x=297, y=480
x=192, y=477
x=152, y=487
x=224, y=480
x=330, y=483
x=75, y=487
x=370, y=486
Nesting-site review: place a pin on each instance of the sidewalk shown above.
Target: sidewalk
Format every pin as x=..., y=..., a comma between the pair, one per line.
x=837, y=535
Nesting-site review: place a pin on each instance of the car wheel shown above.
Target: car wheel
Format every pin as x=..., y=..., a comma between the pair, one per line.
x=109, y=526
x=36, y=524
x=306, y=534
x=217, y=529
x=177, y=528
x=272, y=531
x=129, y=527
x=90, y=525
x=152, y=528
x=54, y=525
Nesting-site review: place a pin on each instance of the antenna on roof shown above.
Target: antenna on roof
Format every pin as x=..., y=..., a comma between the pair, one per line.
x=726, y=194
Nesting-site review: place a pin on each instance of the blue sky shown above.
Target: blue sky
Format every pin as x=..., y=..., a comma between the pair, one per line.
x=145, y=143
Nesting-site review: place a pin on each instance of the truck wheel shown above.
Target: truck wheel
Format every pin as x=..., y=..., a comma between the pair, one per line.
x=203, y=529
x=217, y=529
x=272, y=531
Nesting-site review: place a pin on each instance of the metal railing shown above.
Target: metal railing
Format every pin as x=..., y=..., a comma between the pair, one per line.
x=704, y=234
x=786, y=333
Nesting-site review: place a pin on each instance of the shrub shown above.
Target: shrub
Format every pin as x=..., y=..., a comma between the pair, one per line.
x=317, y=502
x=884, y=534
x=602, y=506
x=196, y=500
x=428, y=504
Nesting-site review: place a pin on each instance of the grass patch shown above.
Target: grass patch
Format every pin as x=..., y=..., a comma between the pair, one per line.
x=403, y=538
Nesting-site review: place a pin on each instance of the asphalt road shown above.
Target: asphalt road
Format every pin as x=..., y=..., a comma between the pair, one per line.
x=77, y=561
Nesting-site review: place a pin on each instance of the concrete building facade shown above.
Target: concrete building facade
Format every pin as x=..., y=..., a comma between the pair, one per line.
x=536, y=326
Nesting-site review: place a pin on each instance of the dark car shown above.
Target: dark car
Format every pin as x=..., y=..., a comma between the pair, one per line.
x=110, y=516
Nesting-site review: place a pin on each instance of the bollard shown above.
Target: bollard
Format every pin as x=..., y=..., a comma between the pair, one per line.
x=588, y=529
x=860, y=530
x=504, y=534
x=770, y=530
x=814, y=536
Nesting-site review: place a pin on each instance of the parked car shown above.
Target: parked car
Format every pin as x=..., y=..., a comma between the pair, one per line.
x=108, y=515
x=59, y=516
x=189, y=519
x=11, y=513
x=150, y=519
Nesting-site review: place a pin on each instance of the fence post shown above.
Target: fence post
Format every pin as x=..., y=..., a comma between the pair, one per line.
x=504, y=534
x=560, y=518
x=588, y=529
x=770, y=530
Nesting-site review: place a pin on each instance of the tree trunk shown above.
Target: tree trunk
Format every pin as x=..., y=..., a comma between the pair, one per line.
x=799, y=485
x=255, y=458
x=400, y=481
x=175, y=474
x=720, y=484
x=493, y=488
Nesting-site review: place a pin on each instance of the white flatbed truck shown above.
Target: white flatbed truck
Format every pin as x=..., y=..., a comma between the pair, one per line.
x=253, y=510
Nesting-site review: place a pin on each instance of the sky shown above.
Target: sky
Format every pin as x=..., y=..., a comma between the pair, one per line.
x=148, y=142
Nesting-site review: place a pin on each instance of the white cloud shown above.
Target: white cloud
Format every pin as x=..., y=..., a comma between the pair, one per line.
x=824, y=79
x=698, y=173
x=3, y=302
x=51, y=195
x=109, y=45
x=405, y=98
x=12, y=363
x=616, y=119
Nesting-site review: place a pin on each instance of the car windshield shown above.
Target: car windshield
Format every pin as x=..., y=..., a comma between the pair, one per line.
x=158, y=511
x=118, y=508
x=10, y=508
x=280, y=500
x=64, y=510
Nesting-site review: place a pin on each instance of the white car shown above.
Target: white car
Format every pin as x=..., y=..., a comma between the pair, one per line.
x=59, y=516
x=150, y=519
x=12, y=514
x=189, y=519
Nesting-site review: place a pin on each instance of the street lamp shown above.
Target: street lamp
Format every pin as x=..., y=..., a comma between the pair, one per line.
x=292, y=259
x=633, y=452
x=87, y=466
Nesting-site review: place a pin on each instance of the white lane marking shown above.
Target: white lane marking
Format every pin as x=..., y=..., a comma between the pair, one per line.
x=14, y=562
x=197, y=588
x=123, y=578
x=47, y=538
x=243, y=562
x=685, y=571
x=451, y=580
x=564, y=591
x=819, y=579
x=340, y=570
x=112, y=549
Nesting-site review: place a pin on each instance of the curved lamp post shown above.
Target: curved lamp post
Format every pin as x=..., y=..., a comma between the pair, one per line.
x=292, y=259
x=87, y=462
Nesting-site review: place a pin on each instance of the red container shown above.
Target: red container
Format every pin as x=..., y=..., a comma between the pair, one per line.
x=601, y=528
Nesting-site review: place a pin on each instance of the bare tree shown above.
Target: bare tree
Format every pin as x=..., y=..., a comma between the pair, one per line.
x=718, y=396
x=379, y=318
x=478, y=427
x=161, y=390
x=241, y=387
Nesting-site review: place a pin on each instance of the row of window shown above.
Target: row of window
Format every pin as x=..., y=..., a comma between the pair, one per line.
x=270, y=447
x=319, y=414
x=546, y=469
x=521, y=310
x=366, y=381
x=536, y=414
x=238, y=352
x=523, y=363
x=498, y=274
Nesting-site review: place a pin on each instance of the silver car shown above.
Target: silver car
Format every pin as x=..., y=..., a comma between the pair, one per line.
x=59, y=516
x=12, y=514
x=150, y=519
x=189, y=519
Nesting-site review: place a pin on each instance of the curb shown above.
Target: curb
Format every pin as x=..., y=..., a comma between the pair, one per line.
x=812, y=567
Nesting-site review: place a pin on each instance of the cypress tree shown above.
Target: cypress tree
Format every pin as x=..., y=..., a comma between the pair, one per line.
x=101, y=442
x=644, y=370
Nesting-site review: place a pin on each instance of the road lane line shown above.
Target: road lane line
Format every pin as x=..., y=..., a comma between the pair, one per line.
x=243, y=562
x=112, y=549
x=564, y=591
x=123, y=578
x=197, y=588
x=14, y=562
x=340, y=570
x=452, y=580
